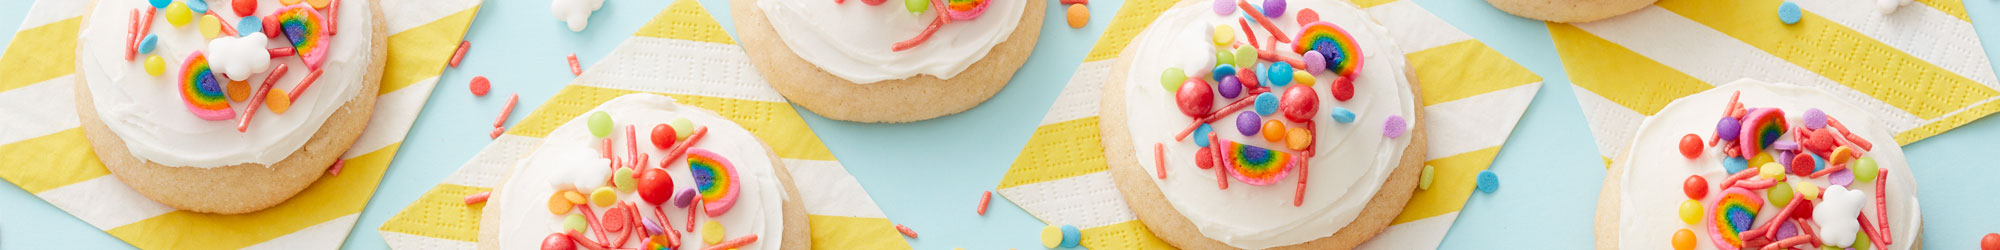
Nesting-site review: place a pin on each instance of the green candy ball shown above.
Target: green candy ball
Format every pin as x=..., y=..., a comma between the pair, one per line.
x=1222, y=56
x=1246, y=56
x=682, y=128
x=600, y=124
x=623, y=179
x=1780, y=195
x=576, y=222
x=1864, y=169
x=1172, y=78
x=917, y=6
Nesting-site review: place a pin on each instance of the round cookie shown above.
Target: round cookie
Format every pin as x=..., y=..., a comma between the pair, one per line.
x=1652, y=219
x=1569, y=11
x=245, y=187
x=795, y=231
x=915, y=98
x=1141, y=189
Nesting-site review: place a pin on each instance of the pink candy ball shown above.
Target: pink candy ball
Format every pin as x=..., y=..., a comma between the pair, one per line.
x=1195, y=98
x=1299, y=104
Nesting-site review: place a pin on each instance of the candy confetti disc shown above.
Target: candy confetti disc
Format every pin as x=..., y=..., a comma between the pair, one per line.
x=1732, y=215
x=1256, y=165
x=307, y=31
x=202, y=91
x=1343, y=54
x=715, y=178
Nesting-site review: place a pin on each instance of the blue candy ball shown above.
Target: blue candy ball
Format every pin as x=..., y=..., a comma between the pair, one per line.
x=1279, y=74
x=1488, y=182
x=1735, y=164
x=1342, y=115
x=160, y=3
x=1788, y=12
x=1200, y=132
x=1071, y=236
x=1267, y=104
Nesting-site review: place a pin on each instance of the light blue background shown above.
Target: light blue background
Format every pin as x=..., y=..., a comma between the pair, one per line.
x=928, y=175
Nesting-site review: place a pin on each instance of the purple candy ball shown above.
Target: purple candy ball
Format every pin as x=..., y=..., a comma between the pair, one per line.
x=1314, y=62
x=1844, y=177
x=1247, y=122
x=1230, y=87
x=1224, y=7
x=1787, y=230
x=1728, y=128
x=1394, y=127
x=1815, y=119
x=1785, y=157
x=685, y=198
x=1274, y=8
x=1785, y=145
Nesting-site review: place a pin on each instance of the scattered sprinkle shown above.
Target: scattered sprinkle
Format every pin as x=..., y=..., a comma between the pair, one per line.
x=1071, y=237
x=733, y=243
x=1342, y=115
x=460, y=54
x=516, y=98
x=1078, y=15
x=711, y=232
x=335, y=169
x=1691, y=146
x=1488, y=182
x=984, y=198
x=1990, y=242
x=574, y=68
x=906, y=231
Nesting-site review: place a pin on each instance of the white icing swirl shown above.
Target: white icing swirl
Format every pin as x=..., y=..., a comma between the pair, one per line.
x=1353, y=159
x=147, y=112
x=1651, y=189
x=852, y=40
x=526, y=220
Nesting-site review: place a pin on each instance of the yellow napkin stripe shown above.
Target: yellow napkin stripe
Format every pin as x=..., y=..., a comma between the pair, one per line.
x=1465, y=69
x=51, y=161
x=1057, y=151
x=54, y=42
x=1453, y=178
x=685, y=20
x=444, y=215
x=1947, y=123
x=1840, y=54
x=774, y=122
x=1131, y=18
x=421, y=52
x=1619, y=74
x=843, y=232
x=1124, y=235
x=328, y=198
x=1949, y=7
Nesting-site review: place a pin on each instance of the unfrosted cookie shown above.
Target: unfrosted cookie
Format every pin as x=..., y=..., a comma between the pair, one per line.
x=838, y=59
x=1366, y=143
x=155, y=141
x=1569, y=11
x=752, y=198
x=1677, y=178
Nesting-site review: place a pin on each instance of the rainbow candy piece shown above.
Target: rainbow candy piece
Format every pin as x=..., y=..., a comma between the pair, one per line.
x=1761, y=127
x=1731, y=215
x=1256, y=165
x=715, y=178
x=965, y=9
x=1343, y=54
x=307, y=31
x=202, y=91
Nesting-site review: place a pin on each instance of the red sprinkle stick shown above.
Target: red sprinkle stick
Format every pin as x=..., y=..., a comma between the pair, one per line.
x=607, y=145
x=258, y=99
x=592, y=219
x=1248, y=34
x=1221, y=169
x=333, y=18
x=578, y=237
x=496, y=133
x=1882, y=204
x=335, y=169
x=1299, y=194
x=1788, y=243
x=906, y=231
x=132, y=37
x=1159, y=161
x=1756, y=183
x=509, y=110
x=986, y=197
x=303, y=84
x=1740, y=175
x=1276, y=34
x=928, y=30
x=574, y=69
x=1068, y=2
x=1830, y=168
x=1271, y=53
x=145, y=24
x=1866, y=228
x=739, y=242
x=631, y=144
x=460, y=54
x=1214, y=150
x=681, y=148
x=281, y=52
x=1220, y=113
x=1805, y=229
x=477, y=197
x=690, y=217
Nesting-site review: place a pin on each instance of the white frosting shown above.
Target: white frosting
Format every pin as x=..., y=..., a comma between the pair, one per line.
x=852, y=40
x=1655, y=169
x=147, y=112
x=575, y=13
x=1352, y=162
x=570, y=147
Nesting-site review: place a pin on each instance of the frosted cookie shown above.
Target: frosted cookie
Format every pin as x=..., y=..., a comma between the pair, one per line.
x=222, y=108
x=1569, y=11
x=1755, y=165
x=888, y=61
x=641, y=171
x=1307, y=139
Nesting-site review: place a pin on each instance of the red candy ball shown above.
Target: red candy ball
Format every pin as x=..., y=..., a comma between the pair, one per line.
x=1990, y=242
x=244, y=7
x=663, y=136
x=1802, y=165
x=1195, y=98
x=1204, y=159
x=655, y=186
x=1695, y=187
x=1691, y=146
x=1818, y=141
x=614, y=219
x=1299, y=104
x=1343, y=88
x=558, y=241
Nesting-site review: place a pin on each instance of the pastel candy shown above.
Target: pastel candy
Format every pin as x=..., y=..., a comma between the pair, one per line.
x=177, y=14
x=1202, y=132
x=1222, y=71
x=250, y=25
x=1172, y=78
x=1341, y=114
x=1224, y=7
x=685, y=198
x=1842, y=177
x=1267, y=104
x=715, y=177
x=1246, y=56
x=1315, y=62
x=1230, y=88
x=1789, y=13
x=965, y=9
x=600, y=124
x=1394, y=127
x=1488, y=182
x=1247, y=123
x=1279, y=74
x=1304, y=79
x=160, y=3
x=1424, y=179
x=1274, y=8
x=1735, y=164
x=1071, y=236
x=1728, y=128
x=198, y=6
x=146, y=45
x=1815, y=119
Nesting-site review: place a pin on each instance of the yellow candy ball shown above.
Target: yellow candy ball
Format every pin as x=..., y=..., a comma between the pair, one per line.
x=210, y=26
x=1691, y=212
x=1806, y=188
x=1298, y=138
x=178, y=14
x=1224, y=35
x=1304, y=78
x=711, y=232
x=155, y=66
x=1274, y=130
x=277, y=100
x=1761, y=159
x=603, y=197
x=1771, y=171
x=1683, y=239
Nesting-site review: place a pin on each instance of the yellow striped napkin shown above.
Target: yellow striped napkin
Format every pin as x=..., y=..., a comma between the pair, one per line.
x=1473, y=96
x=1920, y=70
x=45, y=152
x=685, y=54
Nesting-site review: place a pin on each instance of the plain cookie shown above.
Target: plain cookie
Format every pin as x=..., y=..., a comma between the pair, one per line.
x=1569, y=11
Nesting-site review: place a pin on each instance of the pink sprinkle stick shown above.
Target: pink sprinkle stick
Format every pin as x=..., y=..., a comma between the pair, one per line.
x=1248, y=33
x=477, y=197
x=496, y=133
x=146, y=22
x=740, y=242
x=681, y=148
x=303, y=84
x=906, y=231
x=1866, y=229
x=258, y=99
x=690, y=216
x=984, y=198
x=508, y=110
x=632, y=144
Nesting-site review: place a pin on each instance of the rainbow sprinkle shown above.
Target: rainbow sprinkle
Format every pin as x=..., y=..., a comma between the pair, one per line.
x=202, y=91
x=1343, y=54
x=1256, y=165
x=307, y=31
x=1762, y=127
x=715, y=178
x=1732, y=215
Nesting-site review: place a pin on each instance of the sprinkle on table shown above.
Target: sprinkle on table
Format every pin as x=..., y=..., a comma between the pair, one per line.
x=477, y=197
x=1488, y=181
x=906, y=231
x=460, y=54
x=574, y=68
x=984, y=198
